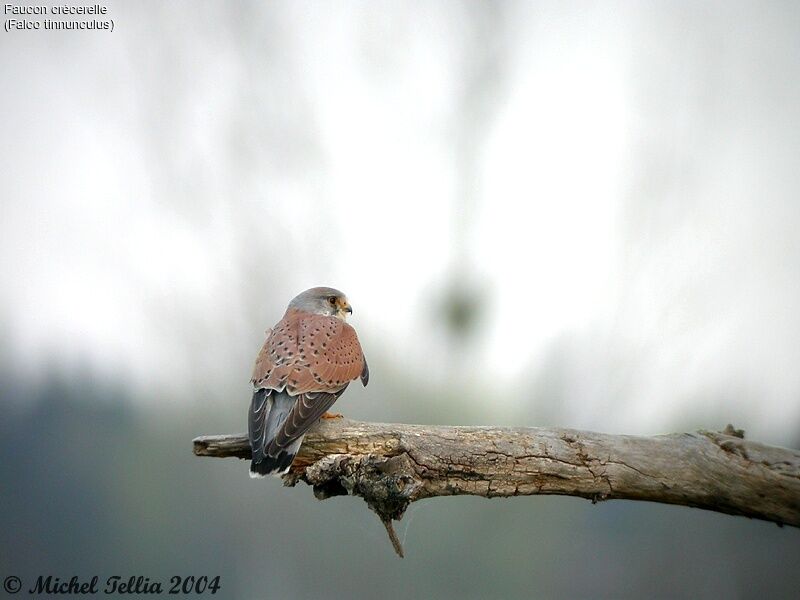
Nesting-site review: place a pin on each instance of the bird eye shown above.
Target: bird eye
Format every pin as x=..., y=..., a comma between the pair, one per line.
x=332, y=299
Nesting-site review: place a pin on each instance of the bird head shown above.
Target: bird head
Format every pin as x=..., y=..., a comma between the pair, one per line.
x=323, y=301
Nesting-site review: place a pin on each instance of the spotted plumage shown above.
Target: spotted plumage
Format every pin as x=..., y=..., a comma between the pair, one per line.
x=305, y=364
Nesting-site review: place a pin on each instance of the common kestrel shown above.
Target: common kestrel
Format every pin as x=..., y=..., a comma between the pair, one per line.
x=307, y=361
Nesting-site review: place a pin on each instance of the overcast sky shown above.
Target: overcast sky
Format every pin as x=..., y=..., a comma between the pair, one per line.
x=614, y=185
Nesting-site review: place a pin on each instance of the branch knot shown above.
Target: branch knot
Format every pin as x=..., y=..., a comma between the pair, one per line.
x=387, y=484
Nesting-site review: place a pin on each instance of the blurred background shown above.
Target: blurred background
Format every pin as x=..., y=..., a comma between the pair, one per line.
x=544, y=213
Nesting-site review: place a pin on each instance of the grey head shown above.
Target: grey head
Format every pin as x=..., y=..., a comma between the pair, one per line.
x=323, y=301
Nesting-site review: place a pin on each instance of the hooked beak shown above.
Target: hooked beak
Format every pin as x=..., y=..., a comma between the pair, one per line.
x=344, y=307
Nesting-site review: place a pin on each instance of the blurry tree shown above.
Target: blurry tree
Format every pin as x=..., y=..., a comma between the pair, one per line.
x=481, y=83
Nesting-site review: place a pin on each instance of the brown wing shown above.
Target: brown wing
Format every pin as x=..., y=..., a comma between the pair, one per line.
x=307, y=410
x=309, y=353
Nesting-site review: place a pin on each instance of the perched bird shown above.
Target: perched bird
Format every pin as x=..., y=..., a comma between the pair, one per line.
x=307, y=361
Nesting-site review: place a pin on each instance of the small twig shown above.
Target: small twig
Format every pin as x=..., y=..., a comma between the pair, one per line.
x=398, y=547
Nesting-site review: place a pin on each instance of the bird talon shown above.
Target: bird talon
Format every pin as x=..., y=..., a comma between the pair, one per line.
x=330, y=415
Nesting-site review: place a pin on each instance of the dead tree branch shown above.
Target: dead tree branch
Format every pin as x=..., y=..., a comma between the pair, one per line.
x=392, y=465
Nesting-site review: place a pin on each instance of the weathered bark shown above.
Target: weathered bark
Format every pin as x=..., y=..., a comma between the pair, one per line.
x=392, y=465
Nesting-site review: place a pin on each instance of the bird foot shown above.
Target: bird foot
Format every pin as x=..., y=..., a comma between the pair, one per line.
x=330, y=415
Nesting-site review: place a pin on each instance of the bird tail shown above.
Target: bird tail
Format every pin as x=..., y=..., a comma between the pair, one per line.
x=268, y=411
